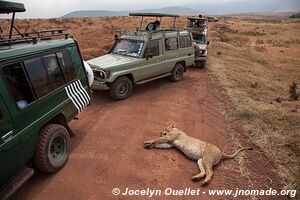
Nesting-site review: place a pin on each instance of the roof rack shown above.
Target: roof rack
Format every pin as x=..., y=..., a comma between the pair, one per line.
x=145, y=33
x=153, y=15
x=33, y=37
x=196, y=18
x=7, y=7
x=196, y=22
x=158, y=17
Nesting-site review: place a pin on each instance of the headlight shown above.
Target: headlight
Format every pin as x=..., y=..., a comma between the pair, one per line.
x=202, y=51
x=101, y=74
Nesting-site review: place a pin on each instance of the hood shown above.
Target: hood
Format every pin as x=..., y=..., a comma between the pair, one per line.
x=201, y=46
x=110, y=60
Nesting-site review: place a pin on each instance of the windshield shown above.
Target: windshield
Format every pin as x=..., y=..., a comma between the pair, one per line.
x=131, y=48
x=199, y=39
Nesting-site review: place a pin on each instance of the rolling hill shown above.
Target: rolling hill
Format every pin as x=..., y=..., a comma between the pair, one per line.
x=106, y=13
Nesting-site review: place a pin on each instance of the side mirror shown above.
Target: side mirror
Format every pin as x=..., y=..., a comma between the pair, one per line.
x=207, y=43
x=116, y=37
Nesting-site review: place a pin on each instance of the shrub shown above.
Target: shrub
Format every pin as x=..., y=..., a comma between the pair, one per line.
x=90, y=23
x=294, y=94
x=296, y=15
x=252, y=33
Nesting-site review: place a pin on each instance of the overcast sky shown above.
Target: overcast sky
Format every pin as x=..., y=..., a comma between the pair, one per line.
x=57, y=8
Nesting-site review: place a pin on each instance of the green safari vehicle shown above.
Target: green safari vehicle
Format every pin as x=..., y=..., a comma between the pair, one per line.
x=43, y=86
x=143, y=56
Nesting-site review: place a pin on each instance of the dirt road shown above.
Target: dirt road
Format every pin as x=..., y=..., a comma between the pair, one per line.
x=107, y=149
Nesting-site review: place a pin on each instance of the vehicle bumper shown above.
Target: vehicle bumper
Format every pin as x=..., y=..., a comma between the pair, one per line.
x=199, y=58
x=99, y=86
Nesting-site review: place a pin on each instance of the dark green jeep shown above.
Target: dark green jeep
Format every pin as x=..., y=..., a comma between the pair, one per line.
x=43, y=86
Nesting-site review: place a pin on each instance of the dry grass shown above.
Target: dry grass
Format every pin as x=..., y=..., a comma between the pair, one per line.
x=94, y=35
x=256, y=64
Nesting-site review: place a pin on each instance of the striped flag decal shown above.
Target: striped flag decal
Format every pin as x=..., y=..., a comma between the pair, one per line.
x=78, y=95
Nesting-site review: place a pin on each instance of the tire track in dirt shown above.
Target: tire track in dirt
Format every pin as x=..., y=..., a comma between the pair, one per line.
x=114, y=132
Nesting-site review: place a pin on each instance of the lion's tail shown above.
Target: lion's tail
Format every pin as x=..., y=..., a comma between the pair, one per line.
x=226, y=156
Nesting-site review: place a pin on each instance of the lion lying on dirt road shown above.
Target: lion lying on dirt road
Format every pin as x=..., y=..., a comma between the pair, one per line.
x=206, y=154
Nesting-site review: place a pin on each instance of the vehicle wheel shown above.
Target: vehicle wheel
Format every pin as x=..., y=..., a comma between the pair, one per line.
x=53, y=147
x=177, y=72
x=202, y=64
x=121, y=88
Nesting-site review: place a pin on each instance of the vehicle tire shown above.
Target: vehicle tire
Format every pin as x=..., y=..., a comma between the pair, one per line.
x=200, y=64
x=177, y=72
x=53, y=147
x=121, y=88
x=197, y=63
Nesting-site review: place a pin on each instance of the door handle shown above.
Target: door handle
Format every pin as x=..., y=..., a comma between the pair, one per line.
x=7, y=135
x=159, y=60
x=189, y=54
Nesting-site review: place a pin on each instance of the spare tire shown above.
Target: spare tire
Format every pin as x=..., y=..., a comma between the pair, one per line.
x=89, y=73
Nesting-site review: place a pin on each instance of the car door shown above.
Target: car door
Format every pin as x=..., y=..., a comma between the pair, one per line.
x=152, y=60
x=11, y=156
x=186, y=51
x=170, y=53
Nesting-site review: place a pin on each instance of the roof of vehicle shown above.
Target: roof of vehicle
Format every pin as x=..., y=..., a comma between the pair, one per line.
x=153, y=15
x=20, y=50
x=196, y=18
x=146, y=35
x=9, y=7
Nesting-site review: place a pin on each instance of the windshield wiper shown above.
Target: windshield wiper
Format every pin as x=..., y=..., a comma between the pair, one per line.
x=122, y=51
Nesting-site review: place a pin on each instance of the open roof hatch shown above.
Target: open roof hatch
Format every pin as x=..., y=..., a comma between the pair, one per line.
x=7, y=7
x=11, y=7
x=158, y=16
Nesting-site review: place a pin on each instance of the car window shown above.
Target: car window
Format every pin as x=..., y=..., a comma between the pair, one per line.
x=131, y=48
x=153, y=48
x=185, y=41
x=18, y=84
x=66, y=65
x=199, y=39
x=54, y=70
x=38, y=75
x=171, y=44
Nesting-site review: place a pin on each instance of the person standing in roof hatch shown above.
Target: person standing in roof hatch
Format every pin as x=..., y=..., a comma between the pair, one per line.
x=152, y=26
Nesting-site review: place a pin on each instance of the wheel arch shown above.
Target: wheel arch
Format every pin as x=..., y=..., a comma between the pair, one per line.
x=62, y=120
x=182, y=63
x=130, y=76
